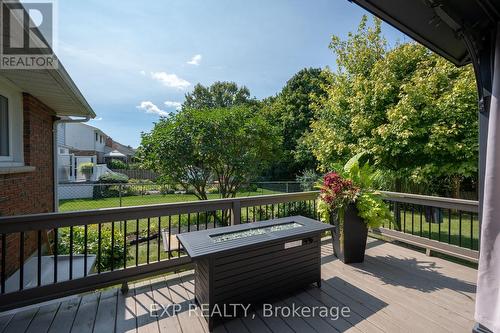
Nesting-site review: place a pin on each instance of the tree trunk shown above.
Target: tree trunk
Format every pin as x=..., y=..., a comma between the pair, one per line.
x=455, y=186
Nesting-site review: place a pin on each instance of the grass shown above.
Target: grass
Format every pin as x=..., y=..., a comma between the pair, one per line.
x=454, y=229
x=140, y=200
x=153, y=253
x=457, y=229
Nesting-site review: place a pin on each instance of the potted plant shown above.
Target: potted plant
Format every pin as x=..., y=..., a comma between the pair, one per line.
x=86, y=169
x=349, y=202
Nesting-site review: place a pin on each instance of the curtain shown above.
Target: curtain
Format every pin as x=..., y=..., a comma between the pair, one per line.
x=488, y=285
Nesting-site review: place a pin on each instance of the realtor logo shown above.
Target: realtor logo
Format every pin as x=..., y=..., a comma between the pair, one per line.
x=27, y=35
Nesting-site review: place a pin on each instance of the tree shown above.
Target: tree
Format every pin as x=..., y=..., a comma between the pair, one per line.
x=291, y=112
x=196, y=146
x=413, y=112
x=218, y=95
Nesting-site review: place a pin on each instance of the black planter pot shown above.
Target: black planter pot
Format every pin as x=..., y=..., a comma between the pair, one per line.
x=349, y=240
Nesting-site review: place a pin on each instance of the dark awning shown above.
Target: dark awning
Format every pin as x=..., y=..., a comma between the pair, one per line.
x=439, y=25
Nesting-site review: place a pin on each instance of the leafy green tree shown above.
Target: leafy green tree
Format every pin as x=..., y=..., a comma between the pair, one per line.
x=218, y=95
x=194, y=147
x=292, y=113
x=413, y=112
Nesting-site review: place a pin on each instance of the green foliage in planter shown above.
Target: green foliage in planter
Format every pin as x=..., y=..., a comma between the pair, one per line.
x=86, y=168
x=323, y=210
x=354, y=184
x=371, y=207
x=107, y=251
x=373, y=210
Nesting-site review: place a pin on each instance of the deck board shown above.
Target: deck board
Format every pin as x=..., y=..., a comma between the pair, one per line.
x=63, y=320
x=396, y=289
x=86, y=314
x=126, y=320
x=105, y=320
x=43, y=318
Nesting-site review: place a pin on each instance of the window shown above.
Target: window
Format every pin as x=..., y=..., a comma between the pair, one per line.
x=100, y=138
x=96, y=137
x=4, y=127
x=11, y=125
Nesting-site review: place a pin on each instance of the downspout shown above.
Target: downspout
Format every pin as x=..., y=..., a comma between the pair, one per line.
x=55, y=153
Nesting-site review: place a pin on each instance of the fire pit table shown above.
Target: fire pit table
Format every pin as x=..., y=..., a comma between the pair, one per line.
x=248, y=263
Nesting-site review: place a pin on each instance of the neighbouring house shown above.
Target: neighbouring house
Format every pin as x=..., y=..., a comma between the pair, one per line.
x=82, y=140
x=32, y=103
x=119, y=151
x=80, y=143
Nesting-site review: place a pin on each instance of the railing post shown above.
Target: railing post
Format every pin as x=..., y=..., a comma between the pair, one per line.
x=235, y=212
x=124, y=289
x=120, y=193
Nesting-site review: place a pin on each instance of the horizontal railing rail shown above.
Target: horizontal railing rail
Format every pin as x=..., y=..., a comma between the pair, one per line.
x=426, y=200
x=445, y=225
x=52, y=255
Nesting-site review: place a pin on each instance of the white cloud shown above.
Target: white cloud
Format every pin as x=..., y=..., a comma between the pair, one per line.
x=143, y=73
x=195, y=60
x=170, y=80
x=150, y=107
x=171, y=104
x=97, y=119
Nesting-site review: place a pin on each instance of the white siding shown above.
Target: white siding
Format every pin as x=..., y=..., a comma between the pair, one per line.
x=61, y=134
x=83, y=137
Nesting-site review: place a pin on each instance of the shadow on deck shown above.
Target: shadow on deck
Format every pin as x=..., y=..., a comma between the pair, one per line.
x=395, y=290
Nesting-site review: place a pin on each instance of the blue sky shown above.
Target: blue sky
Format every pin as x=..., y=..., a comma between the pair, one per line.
x=135, y=60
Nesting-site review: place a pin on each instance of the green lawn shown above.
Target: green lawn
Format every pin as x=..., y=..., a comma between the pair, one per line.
x=448, y=231
x=140, y=200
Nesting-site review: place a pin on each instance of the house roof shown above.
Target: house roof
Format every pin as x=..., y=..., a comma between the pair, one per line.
x=127, y=150
x=440, y=25
x=53, y=87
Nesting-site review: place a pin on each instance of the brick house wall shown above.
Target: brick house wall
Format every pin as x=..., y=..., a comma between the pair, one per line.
x=30, y=192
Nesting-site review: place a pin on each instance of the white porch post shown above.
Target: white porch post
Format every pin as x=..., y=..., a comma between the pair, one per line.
x=488, y=287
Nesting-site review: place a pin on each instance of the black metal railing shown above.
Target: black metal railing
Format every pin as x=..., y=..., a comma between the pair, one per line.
x=52, y=255
x=439, y=221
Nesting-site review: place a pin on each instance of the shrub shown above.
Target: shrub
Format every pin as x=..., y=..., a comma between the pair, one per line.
x=167, y=190
x=117, y=164
x=109, y=254
x=113, y=178
x=110, y=191
x=140, y=181
x=308, y=179
x=213, y=190
x=250, y=188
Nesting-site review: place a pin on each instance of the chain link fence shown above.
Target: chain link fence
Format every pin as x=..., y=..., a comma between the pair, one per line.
x=88, y=196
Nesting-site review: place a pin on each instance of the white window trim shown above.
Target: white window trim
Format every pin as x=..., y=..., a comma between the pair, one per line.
x=10, y=119
x=16, y=127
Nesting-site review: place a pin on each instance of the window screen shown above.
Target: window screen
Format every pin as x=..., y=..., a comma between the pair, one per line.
x=4, y=126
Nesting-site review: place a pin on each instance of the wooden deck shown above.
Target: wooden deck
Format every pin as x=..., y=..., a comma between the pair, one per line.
x=395, y=290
